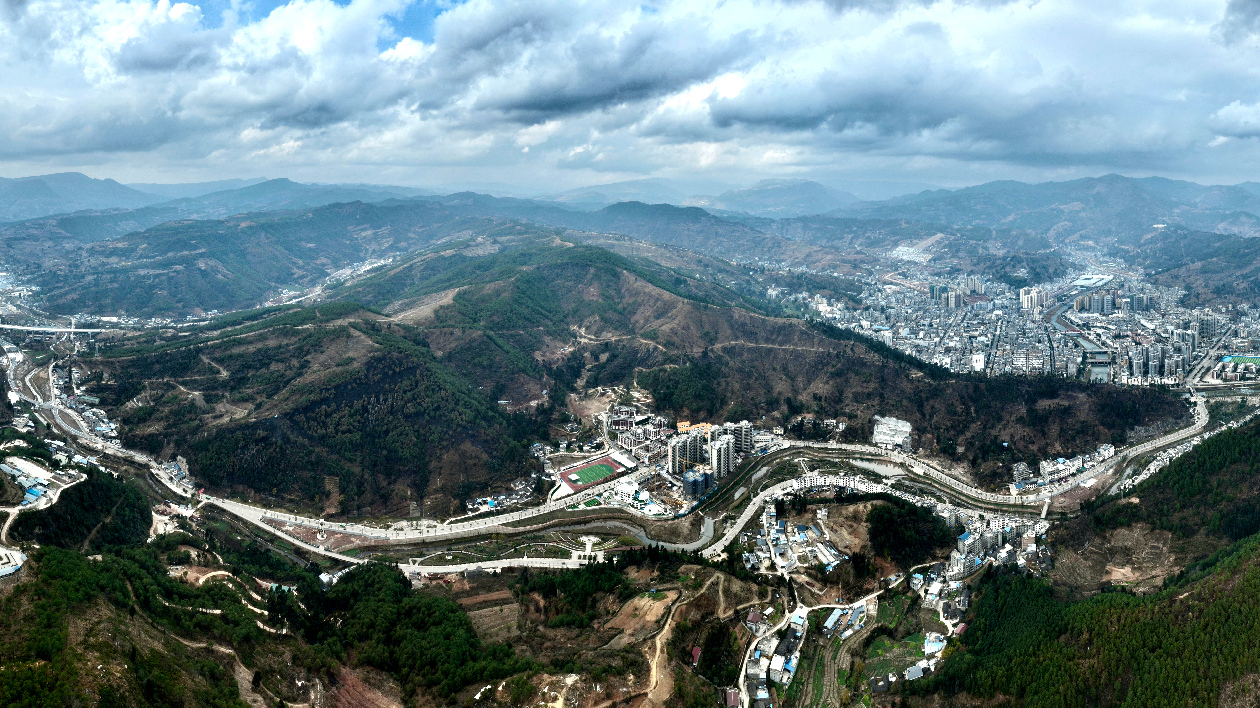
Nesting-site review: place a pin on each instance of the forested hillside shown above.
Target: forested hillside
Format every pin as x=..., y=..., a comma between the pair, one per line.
x=1184, y=646
x=163, y=261
x=50, y=657
x=1213, y=489
x=1190, y=643
x=472, y=349
x=95, y=513
x=836, y=374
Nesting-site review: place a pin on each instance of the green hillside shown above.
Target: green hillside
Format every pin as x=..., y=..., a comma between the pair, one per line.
x=1181, y=647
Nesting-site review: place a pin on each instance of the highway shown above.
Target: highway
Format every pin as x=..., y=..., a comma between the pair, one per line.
x=511, y=522
x=1209, y=360
x=432, y=532
x=545, y=563
x=422, y=532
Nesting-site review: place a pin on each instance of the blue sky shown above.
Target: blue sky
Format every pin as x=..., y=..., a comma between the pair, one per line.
x=415, y=21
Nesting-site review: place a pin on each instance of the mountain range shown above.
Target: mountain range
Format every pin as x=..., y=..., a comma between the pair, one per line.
x=472, y=339
x=1098, y=210
x=190, y=254
x=1107, y=208
x=31, y=197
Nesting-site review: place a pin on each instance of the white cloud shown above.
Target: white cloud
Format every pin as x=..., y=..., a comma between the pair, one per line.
x=944, y=91
x=1238, y=120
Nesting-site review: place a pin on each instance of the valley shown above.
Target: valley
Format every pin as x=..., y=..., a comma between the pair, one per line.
x=666, y=454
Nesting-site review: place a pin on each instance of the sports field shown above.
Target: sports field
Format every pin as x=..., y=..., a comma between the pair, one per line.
x=590, y=474
x=1241, y=359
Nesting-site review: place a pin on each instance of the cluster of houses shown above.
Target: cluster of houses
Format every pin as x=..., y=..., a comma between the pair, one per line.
x=11, y=561
x=776, y=544
x=1057, y=470
x=776, y=655
x=845, y=620
x=644, y=436
x=922, y=669
x=938, y=592
x=1230, y=370
x=522, y=491
x=774, y=659
x=691, y=459
x=96, y=418
x=999, y=540
x=629, y=494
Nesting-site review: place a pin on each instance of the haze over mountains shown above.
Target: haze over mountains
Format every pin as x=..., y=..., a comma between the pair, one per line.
x=1111, y=205
x=66, y=193
x=30, y=197
x=1011, y=231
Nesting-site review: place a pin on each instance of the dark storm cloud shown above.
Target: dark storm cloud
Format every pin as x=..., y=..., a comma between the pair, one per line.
x=1241, y=21
x=542, y=61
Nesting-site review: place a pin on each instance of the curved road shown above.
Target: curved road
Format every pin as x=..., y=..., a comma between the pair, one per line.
x=920, y=470
x=706, y=534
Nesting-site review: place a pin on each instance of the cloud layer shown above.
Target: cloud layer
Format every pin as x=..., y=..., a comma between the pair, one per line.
x=563, y=93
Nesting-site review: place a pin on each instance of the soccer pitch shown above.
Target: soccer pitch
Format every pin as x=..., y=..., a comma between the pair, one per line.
x=592, y=474
x=1241, y=359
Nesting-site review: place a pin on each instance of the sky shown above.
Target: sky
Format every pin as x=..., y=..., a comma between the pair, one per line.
x=550, y=95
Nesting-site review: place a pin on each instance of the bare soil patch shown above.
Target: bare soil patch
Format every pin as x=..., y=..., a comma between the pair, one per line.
x=423, y=310
x=643, y=612
x=684, y=530
x=332, y=540
x=353, y=691
x=495, y=624
x=485, y=597
x=1243, y=692
x=196, y=574
x=1137, y=556
x=846, y=525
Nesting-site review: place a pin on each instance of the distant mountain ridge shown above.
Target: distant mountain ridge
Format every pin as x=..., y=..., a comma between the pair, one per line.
x=282, y=193
x=71, y=194
x=779, y=198
x=194, y=189
x=31, y=197
x=1111, y=208
x=651, y=191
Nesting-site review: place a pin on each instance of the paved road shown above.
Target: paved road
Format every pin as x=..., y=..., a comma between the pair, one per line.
x=1209, y=360
x=706, y=534
x=805, y=482
x=555, y=563
x=922, y=470
x=70, y=330
x=426, y=532
x=498, y=523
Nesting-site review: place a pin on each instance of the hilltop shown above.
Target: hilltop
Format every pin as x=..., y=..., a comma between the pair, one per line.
x=426, y=378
